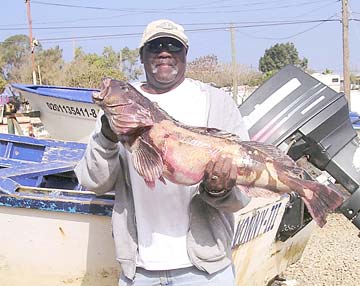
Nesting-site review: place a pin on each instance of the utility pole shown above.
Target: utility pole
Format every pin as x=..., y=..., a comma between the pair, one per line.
x=39, y=73
x=234, y=65
x=74, y=48
x=121, y=61
x=345, y=33
x=32, y=46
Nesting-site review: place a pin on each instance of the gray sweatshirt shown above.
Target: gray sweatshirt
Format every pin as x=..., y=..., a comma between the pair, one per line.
x=104, y=168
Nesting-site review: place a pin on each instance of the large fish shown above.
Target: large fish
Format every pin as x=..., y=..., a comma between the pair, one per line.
x=162, y=147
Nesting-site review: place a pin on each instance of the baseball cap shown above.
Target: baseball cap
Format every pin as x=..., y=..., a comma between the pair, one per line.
x=164, y=28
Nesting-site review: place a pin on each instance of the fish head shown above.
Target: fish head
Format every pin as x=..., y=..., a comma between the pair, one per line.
x=123, y=106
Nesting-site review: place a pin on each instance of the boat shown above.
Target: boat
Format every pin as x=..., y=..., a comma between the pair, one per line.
x=70, y=227
x=67, y=113
x=355, y=121
x=49, y=217
x=58, y=233
x=55, y=231
x=32, y=162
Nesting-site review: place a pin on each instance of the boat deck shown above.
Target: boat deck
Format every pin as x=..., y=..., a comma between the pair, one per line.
x=39, y=173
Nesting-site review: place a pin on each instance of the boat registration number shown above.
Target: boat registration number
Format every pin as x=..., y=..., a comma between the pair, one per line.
x=72, y=110
x=256, y=224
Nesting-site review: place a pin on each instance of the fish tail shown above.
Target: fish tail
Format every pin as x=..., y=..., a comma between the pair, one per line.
x=318, y=198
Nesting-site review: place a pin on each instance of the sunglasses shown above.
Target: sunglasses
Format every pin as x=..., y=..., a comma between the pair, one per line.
x=158, y=45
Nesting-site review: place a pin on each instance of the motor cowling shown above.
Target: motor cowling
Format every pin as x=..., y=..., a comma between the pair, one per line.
x=307, y=119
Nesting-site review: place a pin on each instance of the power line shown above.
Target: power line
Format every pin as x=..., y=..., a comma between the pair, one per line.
x=314, y=10
x=208, y=29
x=245, y=23
x=68, y=21
x=206, y=3
x=140, y=11
x=76, y=6
x=173, y=10
x=267, y=3
x=224, y=27
x=357, y=32
x=293, y=35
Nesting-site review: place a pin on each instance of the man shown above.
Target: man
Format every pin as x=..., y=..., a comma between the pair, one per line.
x=171, y=235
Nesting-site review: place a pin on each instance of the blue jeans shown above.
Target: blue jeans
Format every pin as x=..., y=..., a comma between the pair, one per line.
x=190, y=276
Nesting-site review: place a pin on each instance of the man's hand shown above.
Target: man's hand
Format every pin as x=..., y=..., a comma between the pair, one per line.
x=219, y=176
x=106, y=130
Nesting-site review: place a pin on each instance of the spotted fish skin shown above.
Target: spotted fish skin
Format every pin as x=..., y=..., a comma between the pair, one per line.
x=162, y=148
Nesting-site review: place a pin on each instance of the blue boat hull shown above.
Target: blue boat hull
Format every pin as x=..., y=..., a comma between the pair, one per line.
x=38, y=174
x=55, y=231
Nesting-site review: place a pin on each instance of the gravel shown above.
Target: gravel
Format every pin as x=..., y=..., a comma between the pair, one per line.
x=332, y=256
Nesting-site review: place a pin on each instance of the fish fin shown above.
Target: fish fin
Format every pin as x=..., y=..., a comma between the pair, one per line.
x=162, y=179
x=289, y=167
x=212, y=132
x=256, y=192
x=319, y=199
x=271, y=152
x=150, y=184
x=147, y=161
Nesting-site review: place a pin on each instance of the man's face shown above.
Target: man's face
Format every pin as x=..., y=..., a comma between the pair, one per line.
x=164, y=61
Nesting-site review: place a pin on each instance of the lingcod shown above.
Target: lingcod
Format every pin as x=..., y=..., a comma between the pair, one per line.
x=164, y=148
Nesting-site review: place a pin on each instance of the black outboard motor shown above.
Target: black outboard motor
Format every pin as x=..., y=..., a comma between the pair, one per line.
x=307, y=119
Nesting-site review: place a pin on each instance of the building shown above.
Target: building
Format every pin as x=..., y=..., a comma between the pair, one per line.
x=331, y=80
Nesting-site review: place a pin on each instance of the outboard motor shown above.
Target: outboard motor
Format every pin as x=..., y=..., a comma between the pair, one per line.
x=308, y=120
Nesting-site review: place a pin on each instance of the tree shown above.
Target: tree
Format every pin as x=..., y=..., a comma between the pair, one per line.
x=209, y=69
x=87, y=70
x=129, y=63
x=2, y=79
x=51, y=66
x=204, y=68
x=2, y=84
x=355, y=81
x=14, y=51
x=280, y=55
x=15, y=60
x=327, y=71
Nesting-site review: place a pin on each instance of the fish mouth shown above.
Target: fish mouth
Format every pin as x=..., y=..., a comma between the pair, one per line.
x=121, y=105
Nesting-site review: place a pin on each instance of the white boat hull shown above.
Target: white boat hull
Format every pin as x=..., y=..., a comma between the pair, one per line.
x=258, y=256
x=66, y=120
x=45, y=248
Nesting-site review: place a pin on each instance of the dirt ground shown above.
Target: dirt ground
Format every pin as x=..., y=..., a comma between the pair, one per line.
x=332, y=257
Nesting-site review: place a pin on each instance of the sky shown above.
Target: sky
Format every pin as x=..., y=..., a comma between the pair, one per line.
x=314, y=26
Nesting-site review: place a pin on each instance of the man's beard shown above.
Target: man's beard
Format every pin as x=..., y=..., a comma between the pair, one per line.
x=164, y=77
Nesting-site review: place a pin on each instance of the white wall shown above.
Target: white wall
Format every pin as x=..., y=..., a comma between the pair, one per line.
x=355, y=100
x=331, y=80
